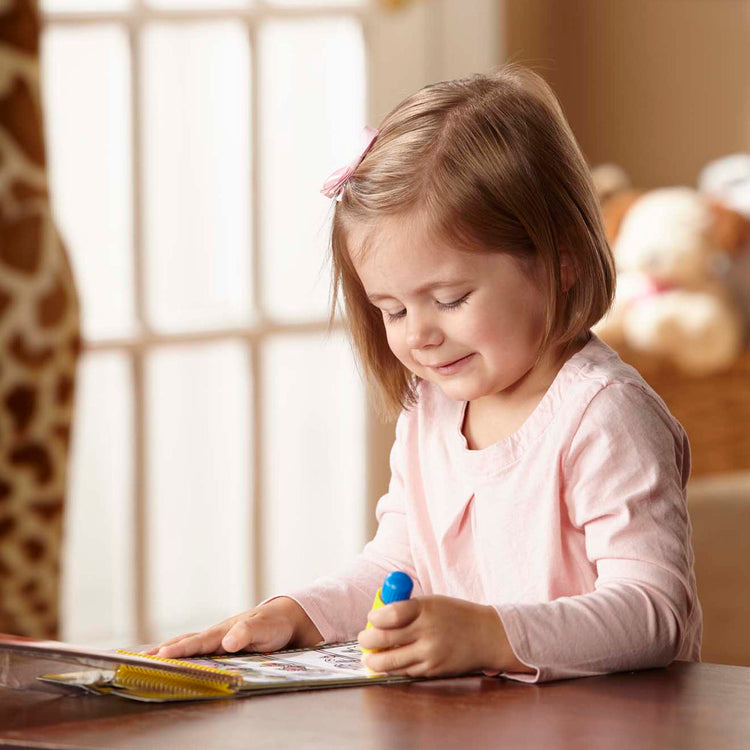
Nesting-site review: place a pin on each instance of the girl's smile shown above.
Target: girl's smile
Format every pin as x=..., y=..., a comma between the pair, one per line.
x=451, y=367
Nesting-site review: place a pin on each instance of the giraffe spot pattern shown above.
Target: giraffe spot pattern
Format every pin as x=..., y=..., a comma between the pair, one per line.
x=76, y=345
x=24, y=354
x=64, y=389
x=9, y=624
x=29, y=588
x=52, y=306
x=35, y=457
x=33, y=548
x=20, y=117
x=19, y=26
x=21, y=243
x=5, y=490
x=48, y=510
x=7, y=526
x=62, y=433
x=5, y=300
x=23, y=191
x=40, y=607
x=21, y=404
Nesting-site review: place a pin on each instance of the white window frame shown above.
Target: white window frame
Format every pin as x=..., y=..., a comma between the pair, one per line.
x=426, y=41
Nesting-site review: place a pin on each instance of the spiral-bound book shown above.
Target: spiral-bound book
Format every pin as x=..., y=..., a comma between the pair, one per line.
x=28, y=663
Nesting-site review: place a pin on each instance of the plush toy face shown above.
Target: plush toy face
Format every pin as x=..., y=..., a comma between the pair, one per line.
x=666, y=235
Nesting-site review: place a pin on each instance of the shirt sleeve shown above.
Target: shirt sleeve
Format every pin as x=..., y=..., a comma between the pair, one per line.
x=338, y=604
x=624, y=482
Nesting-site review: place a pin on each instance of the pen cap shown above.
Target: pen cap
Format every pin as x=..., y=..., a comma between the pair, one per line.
x=396, y=587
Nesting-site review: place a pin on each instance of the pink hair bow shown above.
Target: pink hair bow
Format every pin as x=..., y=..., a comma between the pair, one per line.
x=335, y=182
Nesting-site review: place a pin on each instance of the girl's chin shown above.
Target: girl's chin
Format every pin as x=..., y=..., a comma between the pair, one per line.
x=457, y=392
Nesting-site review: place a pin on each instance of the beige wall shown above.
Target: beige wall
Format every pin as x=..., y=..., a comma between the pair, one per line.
x=659, y=86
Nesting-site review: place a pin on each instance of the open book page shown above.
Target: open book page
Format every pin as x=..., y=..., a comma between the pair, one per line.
x=334, y=662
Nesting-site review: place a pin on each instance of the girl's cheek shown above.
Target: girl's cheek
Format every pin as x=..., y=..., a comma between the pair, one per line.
x=396, y=345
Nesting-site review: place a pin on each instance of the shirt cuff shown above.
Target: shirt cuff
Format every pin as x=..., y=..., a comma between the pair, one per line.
x=519, y=644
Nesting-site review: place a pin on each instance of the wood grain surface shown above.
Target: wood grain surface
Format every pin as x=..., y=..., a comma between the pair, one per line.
x=685, y=705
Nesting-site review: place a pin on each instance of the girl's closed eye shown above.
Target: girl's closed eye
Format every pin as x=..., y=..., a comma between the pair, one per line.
x=456, y=303
x=393, y=317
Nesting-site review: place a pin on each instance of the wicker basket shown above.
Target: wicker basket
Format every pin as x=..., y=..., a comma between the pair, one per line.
x=715, y=410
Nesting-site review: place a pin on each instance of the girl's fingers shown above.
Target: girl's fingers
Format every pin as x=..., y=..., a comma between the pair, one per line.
x=396, y=615
x=377, y=638
x=168, y=642
x=207, y=642
x=402, y=660
x=254, y=634
x=251, y=630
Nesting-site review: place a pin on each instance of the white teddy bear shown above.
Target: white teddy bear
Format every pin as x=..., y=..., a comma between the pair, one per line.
x=670, y=247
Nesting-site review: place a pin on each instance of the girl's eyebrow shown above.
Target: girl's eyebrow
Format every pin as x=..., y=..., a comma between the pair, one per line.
x=377, y=297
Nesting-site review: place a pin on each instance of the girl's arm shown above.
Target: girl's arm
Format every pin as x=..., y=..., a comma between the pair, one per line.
x=624, y=486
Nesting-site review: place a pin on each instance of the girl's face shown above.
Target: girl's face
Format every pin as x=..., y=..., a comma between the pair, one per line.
x=469, y=322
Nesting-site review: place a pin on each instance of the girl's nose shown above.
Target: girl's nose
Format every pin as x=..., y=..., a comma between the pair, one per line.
x=421, y=332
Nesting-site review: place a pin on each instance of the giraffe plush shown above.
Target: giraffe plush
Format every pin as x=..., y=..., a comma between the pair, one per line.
x=39, y=343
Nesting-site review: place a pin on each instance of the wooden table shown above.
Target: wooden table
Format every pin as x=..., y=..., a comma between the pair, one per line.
x=683, y=706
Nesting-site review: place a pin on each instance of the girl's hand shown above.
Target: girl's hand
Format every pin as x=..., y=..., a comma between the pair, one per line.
x=431, y=636
x=278, y=623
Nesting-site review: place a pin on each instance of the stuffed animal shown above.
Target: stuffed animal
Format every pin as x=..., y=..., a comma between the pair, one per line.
x=727, y=180
x=672, y=246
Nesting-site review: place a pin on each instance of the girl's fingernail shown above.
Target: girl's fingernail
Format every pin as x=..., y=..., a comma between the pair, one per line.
x=229, y=643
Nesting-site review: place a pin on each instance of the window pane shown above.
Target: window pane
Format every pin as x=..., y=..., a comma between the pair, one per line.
x=197, y=174
x=97, y=590
x=312, y=112
x=314, y=459
x=86, y=89
x=198, y=442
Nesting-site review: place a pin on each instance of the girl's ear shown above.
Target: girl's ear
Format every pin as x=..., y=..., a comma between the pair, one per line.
x=567, y=272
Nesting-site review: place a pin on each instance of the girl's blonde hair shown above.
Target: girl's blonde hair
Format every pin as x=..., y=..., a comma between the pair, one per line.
x=491, y=163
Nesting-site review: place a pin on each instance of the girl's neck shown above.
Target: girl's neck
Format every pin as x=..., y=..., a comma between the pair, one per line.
x=492, y=418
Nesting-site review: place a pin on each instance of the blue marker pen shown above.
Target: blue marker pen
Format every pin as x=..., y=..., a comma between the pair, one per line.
x=396, y=587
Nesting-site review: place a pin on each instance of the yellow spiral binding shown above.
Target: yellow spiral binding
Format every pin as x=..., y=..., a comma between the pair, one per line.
x=204, y=680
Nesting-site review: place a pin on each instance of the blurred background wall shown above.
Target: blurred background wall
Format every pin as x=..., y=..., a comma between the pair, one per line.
x=658, y=86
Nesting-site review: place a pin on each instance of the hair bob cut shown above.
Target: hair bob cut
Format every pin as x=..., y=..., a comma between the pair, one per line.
x=491, y=163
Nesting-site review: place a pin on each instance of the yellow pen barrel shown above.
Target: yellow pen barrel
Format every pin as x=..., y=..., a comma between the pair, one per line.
x=377, y=604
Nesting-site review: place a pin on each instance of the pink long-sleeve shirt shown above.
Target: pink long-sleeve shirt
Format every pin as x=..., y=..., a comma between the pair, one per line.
x=575, y=528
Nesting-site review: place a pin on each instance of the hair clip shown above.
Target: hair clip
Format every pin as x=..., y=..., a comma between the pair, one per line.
x=334, y=184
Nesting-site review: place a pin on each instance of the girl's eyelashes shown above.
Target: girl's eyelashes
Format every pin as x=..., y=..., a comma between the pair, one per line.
x=393, y=317
x=455, y=303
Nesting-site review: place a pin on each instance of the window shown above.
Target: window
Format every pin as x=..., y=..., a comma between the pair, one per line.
x=223, y=449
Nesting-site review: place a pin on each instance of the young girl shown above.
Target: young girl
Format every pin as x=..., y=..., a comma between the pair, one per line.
x=537, y=493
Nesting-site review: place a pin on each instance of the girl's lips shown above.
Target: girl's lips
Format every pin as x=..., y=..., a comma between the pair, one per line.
x=451, y=367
